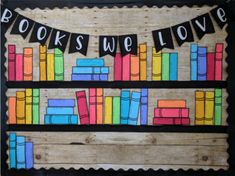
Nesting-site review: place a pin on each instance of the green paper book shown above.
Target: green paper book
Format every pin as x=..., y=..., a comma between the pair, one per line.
x=116, y=110
x=36, y=106
x=218, y=106
x=59, y=65
x=165, y=66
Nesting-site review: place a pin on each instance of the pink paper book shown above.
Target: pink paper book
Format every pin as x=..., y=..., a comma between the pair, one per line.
x=182, y=121
x=163, y=121
x=210, y=66
x=11, y=62
x=92, y=105
x=126, y=67
x=171, y=112
x=82, y=107
x=19, y=67
x=218, y=61
x=118, y=67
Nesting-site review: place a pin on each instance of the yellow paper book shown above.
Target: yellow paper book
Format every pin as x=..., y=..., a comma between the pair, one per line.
x=156, y=65
x=143, y=61
x=200, y=108
x=209, y=107
x=108, y=102
x=50, y=67
x=28, y=106
x=43, y=62
x=20, y=107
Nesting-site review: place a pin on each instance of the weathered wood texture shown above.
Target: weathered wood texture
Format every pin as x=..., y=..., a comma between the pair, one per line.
x=117, y=21
x=129, y=150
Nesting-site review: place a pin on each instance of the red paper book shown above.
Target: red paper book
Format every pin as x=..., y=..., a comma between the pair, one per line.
x=19, y=67
x=218, y=61
x=170, y=121
x=82, y=107
x=171, y=112
x=11, y=62
x=210, y=75
x=126, y=67
x=118, y=67
x=92, y=105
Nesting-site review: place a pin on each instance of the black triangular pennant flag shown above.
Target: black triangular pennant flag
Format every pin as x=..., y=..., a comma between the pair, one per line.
x=79, y=43
x=203, y=25
x=183, y=33
x=59, y=39
x=7, y=17
x=162, y=39
x=128, y=44
x=22, y=26
x=40, y=33
x=220, y=15
x=107, y=45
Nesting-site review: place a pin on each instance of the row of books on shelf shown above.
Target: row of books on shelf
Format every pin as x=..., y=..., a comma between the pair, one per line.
x=20, y=152
x=206, y=65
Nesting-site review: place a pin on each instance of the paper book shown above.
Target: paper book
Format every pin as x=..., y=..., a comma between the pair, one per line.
x=118, y=67
x=59, y=64
x=36, y=106
x=43, y=62
x=173, y=66
x=144, y=107
x=28, y=64
x=126, y=65
x=209, y=107
x=108, y=114
x=171, y=112
x=58, y=119
x=20, y=152
x=200, y=108
x=170, y=121
x=82, y=107
x=12, y=110
x=193, y=61
x=60, y=110
x=99, y=105
x=143, y=61
x=12, y=150
x=116, y=110
x=28, y=106
x=210, y=66
x=218, y=107
x=61, y=102
x=218, y=61
x=20, y=107
x=96, y=62
x=19, y=67
x=11, y=62
x=50, y=67
x=171, y=103
x=201, y=67
x=134, y=108
x=90, y=70
x=135, y=68
x=125, y=106
x=89, y=77
x=92, y=105
x=165, y=66
x=156, y=65
x=29, y=155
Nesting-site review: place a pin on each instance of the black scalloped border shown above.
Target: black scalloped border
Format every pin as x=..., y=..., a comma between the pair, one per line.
x=22, y=4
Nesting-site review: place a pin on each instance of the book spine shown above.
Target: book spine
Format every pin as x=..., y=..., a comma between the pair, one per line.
x=50, y=67
x=134, y=108
x=97, y=62
x=118, y=67
x=171, y=103
x=20, y=107
x=209, y=107
x=156, y=65
x=125, y=106
x=101, y=70
x=210, y=66
x=99, y=105
x=201, y=69
x=12, y=110
x=143, y=61
x=116, y=110
x=92, y=105
x=135, y=68
x=108, y=102
x=29, y=155
x=171, y=112
x=218, y=61
x=193, y=61
x=19, y=67
x=59, y=65
x=20, y=152
x=90, y=70
x=28, y=64
x=28, y=106
x=61, y=102
x=218, y=106
x=12, y=150
x=11, y=62
x=36, y=106
x=60, y=110
x=163, y=121
x=82, y=107
x=165, y=66
x=144, y=107
x=82, y=77
x=173, y=66
x=200, y=108
x=61, y=119
x=126, y=65
x=43, y=62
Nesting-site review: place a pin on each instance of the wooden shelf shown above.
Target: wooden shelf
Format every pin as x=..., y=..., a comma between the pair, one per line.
x=118, y=128
x=117, y=84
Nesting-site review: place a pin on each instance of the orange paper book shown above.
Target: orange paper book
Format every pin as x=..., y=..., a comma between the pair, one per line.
x=200, y=108
x=43, y=62
x=99, y=104
x=28, y=64
x=135, y=68
x=143, y=61
x=20, y=107
x=171, y=104
x=12, y=110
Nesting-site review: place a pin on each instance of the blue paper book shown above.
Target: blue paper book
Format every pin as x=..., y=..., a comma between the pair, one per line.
x=125, y=106
x=60, y=110
x=89, y=77
x=193, y=62
x=173, y=66
x=201, y=74
x=29, y=155
x=20, y=152
x=144, y=107
x=96, y=62
x=61, y=102
x=90, y=70
x=60, y=119
x=100, y=77
x=134, y=108
x=12, y=150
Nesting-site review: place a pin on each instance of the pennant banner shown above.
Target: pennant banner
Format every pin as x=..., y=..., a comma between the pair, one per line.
x=163, y=38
